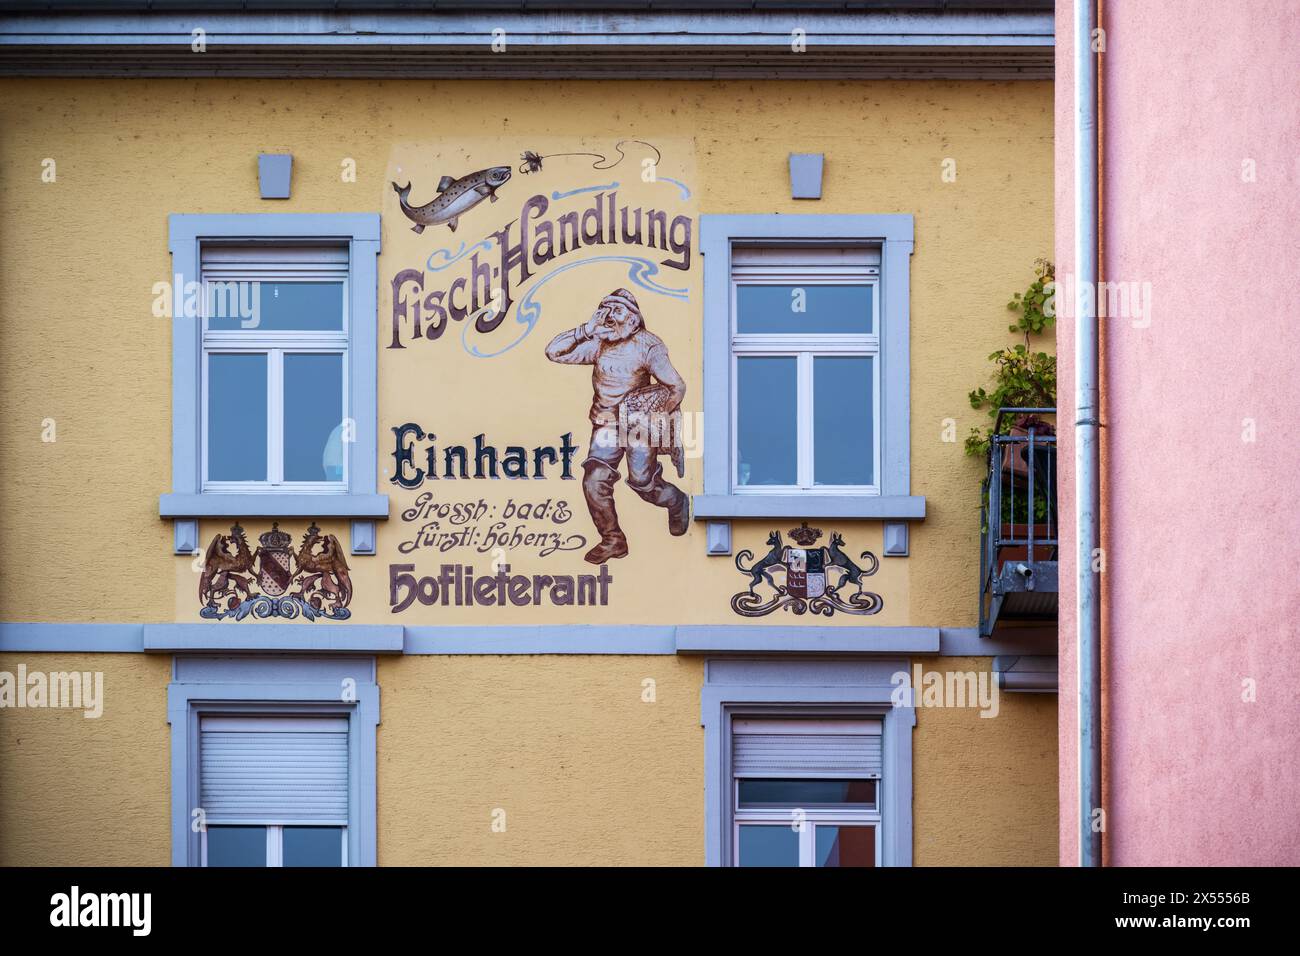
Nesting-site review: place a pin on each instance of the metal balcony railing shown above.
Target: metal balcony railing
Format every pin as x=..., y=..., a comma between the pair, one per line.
x=1018, y=521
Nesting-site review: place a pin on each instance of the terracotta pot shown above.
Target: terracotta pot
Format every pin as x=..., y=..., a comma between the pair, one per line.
x=1015, y=455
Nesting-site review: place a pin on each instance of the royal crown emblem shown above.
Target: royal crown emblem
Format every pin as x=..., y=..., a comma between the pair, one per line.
x=805, y=536
x=807, y=584
x=277, y=540
x=236, y=582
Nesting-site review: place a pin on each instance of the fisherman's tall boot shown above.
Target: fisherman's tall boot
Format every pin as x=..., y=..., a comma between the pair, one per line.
x=666, y=495
x=598, y=487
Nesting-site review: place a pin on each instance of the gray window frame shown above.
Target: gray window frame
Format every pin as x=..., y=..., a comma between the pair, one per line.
x=893, y=235
x=824, y=688
x=273, y=687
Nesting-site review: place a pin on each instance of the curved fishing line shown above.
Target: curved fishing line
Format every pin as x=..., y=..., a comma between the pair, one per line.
x=532, y=162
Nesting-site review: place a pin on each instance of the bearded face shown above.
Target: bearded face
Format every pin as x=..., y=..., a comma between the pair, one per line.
x=615, y=322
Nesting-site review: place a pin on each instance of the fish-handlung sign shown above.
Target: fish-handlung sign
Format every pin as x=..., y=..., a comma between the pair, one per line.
x=638, y=222
x=530, y=489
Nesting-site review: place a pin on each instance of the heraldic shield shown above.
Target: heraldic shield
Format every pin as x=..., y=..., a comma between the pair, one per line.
x=275, y=560
x=808, y=585
x=805, y=572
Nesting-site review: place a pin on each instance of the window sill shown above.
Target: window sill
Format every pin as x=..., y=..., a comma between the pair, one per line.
x=272, y=506
x=768, y=639
x=893, y=507
x=210, y=638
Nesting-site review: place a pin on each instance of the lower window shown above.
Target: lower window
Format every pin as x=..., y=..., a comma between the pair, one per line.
x=806, y=792
x=274, y=791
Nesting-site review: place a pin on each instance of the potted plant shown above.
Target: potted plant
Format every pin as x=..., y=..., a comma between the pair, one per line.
x=1022, y=378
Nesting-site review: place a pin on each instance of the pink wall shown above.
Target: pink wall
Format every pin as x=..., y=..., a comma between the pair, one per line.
x=1202, y=529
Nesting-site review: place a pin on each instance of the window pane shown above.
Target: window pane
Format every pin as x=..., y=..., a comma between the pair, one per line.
x=769, y=846
x=237, y=417
x=313, y=846
x=313, y=417
x=803, y=309
x=845, y=846
x=843, y=439
x=807, y=793
x=765, y=421
x=269, y=306
x=236, y=846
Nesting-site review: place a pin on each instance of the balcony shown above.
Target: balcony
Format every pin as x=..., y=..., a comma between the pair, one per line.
x=1019, y=523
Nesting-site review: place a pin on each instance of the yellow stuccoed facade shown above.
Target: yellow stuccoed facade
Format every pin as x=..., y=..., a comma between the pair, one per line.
x=585, y=770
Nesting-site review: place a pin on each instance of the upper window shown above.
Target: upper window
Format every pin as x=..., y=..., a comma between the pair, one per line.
x=805, y=352
x=274, y=355
x=274, y=374
x=806, y=792
x=806, y=367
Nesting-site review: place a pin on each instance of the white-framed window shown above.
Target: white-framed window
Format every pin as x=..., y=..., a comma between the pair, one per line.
x=273, y=790
x=806, y=792
x=274, y=368
x=805, y=368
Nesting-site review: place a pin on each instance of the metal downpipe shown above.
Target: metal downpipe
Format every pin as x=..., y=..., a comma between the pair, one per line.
x=1087, y=503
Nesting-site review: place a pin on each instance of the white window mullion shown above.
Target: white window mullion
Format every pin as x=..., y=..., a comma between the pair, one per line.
x=275, y=412
x=804, y=420
x=275, y=846
x=807, y=846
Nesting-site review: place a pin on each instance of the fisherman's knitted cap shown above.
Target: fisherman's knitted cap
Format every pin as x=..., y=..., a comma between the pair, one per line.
x=624, y=298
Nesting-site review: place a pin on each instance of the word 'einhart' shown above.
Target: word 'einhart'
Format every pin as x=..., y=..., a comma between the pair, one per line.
x=456, y=459
x=102, y=909
x=78, y=690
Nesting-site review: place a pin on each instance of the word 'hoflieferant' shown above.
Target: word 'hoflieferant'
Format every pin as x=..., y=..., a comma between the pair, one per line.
x=456, y=586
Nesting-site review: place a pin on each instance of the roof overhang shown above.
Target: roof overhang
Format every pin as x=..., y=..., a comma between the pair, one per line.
x=538, y=43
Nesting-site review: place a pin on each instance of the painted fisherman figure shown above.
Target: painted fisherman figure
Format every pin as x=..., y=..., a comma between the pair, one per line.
x=632, y=378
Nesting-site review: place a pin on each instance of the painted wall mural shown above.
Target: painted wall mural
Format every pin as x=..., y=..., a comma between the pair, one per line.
x=808, y=584
x=540, y=432
x=594, y=244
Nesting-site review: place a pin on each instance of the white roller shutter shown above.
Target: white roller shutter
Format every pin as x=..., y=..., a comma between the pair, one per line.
x=277, y=258
x=777, y=749
x=284, y=770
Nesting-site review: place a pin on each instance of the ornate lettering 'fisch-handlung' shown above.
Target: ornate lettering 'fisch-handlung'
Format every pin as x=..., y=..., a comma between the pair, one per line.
x=808, y=584
x=236, y=582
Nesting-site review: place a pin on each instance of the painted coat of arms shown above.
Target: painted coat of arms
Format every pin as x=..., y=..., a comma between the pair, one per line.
x=236, y=582
x=815, y=577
